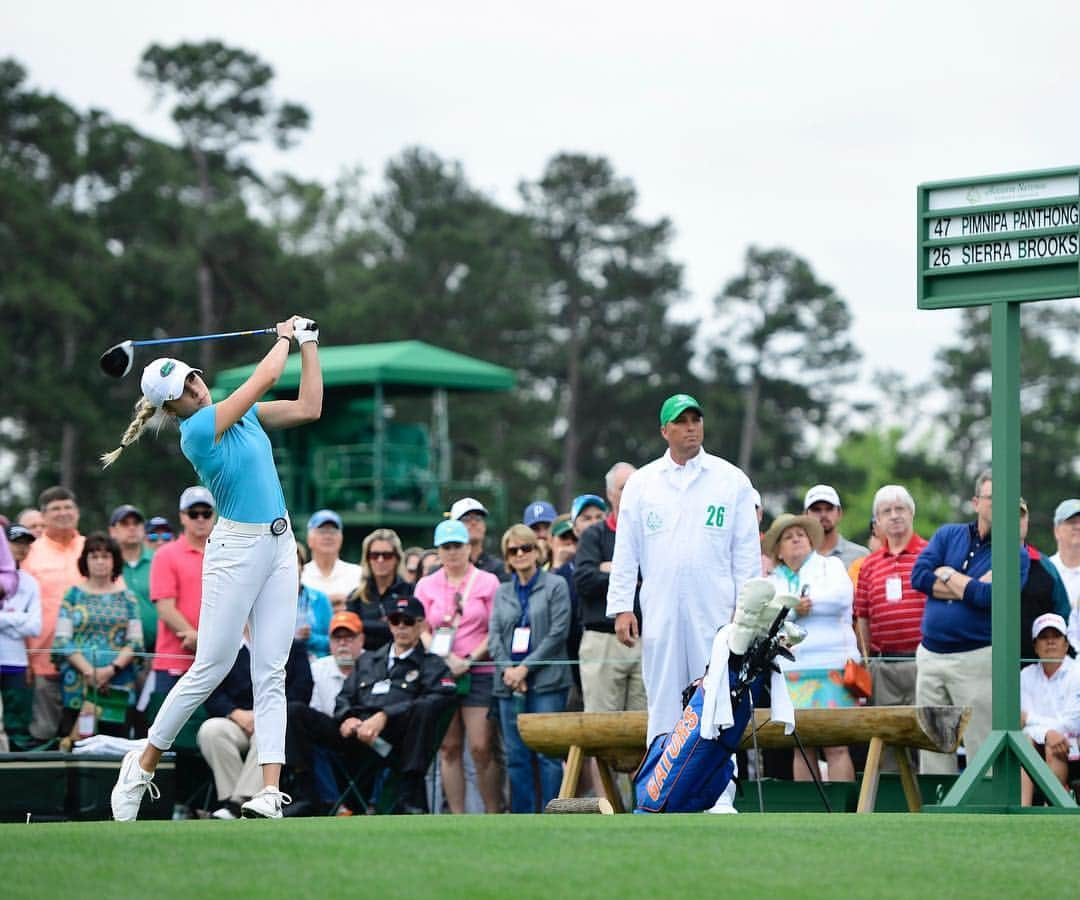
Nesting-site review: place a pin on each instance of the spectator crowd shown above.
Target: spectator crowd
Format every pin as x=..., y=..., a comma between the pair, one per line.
x=409, y=654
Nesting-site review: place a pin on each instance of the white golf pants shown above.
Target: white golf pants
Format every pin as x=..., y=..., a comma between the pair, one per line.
x=249, y=575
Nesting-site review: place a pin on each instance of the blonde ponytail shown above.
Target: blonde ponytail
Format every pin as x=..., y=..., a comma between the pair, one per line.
x=144, y=412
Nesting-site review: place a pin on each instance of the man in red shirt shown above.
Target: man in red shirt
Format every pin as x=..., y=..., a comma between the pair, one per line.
x=888, y=610
x=176, y=588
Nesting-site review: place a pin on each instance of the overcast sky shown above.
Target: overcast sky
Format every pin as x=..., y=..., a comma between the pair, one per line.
x=807, y=125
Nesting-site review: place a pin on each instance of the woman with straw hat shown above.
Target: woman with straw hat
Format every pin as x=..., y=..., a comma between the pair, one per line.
x=816, y=678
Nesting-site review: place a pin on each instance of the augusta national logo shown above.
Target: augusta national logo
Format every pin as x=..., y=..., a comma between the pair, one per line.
x=654, y=521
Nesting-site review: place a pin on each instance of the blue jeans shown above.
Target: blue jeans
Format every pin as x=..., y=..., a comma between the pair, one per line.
x=519, y=758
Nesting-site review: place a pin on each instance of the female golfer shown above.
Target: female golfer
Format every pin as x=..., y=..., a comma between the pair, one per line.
x=249, y=570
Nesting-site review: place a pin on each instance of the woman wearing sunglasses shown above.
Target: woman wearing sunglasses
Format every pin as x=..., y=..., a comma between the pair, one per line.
x=457, y=600
x=527, y=640
x=381, y=583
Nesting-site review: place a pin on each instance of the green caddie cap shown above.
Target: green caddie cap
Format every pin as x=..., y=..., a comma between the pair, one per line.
x=676, y=404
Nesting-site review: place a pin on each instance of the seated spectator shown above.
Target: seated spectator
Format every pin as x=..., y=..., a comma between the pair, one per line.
x=31, y=519
x=412, y=564
x=20, y=618
x=821, y=583
x=538, y=515
x=1050, y=701
x=97, y=641
x=128, y=528
x=1044, y=591
x=159, y=532
x=227, y=738
x=457, y=603
x=327, y=571
x=313, y=614
x=527, y=640
x=388, y=712
x=328, y=673
x=380, y=585
x=471, y=513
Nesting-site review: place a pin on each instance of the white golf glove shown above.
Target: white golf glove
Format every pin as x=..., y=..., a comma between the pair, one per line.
x=305, y=330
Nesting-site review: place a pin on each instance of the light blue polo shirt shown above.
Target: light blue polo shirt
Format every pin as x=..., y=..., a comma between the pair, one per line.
x=239, y=469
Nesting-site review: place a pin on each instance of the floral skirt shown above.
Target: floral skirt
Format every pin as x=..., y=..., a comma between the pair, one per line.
x=818, y=689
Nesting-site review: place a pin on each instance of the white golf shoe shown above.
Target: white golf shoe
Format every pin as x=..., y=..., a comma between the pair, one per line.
x=725, y=803
x=131, y=784
x=266, y=804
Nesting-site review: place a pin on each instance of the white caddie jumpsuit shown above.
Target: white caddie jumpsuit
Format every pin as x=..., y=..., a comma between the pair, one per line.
x=693, y=532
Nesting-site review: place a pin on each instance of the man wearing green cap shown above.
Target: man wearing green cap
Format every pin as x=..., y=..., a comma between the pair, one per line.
x=687, y=521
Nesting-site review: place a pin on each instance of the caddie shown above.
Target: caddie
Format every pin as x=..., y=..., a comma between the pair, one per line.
x=687, y=522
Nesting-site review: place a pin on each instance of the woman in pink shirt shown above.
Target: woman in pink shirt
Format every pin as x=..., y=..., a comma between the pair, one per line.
x=457, y=602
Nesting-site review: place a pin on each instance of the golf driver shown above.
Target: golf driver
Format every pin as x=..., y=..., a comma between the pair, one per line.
x=116, y=361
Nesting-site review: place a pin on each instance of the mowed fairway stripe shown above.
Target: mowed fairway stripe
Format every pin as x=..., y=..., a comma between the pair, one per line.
x=776, y=855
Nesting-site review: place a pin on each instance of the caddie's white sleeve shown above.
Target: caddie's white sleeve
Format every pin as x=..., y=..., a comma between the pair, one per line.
x=746, y=544
x=622, y=584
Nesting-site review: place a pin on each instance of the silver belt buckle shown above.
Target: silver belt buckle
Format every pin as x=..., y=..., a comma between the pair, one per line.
x=278, y=526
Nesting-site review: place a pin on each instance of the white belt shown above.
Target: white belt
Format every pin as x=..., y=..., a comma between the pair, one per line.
x=253, y=527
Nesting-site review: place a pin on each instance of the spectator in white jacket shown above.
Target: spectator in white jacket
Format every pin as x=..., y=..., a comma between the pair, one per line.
x=825, y=594
x=1050, y=701
x=20, y=618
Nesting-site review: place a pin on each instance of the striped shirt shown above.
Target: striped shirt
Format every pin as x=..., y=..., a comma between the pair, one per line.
x=893, y=608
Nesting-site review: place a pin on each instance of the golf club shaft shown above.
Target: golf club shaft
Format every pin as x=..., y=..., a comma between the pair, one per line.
x=203, y=337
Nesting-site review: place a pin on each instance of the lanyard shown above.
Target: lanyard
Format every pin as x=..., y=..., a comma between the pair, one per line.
x=523, y=591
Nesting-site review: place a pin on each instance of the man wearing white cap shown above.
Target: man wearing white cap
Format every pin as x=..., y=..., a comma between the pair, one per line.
x=823, y=503
x=687, y=522
x=473, y=515
x=1067, y=558
x=1050, y=701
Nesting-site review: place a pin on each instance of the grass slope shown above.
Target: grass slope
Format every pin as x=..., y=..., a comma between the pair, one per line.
x=778, y=855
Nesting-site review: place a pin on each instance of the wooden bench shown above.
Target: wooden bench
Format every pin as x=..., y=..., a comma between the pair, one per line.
x=617, y=740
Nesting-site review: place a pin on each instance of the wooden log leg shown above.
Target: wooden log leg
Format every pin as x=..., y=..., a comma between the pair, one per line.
x=871, y=776
x=908, y=780
x=611, y=789
x=571, y=773
x=580, y=805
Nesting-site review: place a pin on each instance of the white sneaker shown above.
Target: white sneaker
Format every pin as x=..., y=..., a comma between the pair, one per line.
x=131, y=784
x=725, y=803
x=266, y=804
x=223, y=812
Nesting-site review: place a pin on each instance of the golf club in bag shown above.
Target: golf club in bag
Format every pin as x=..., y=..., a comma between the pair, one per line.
x=683, y=771
x=116, y=361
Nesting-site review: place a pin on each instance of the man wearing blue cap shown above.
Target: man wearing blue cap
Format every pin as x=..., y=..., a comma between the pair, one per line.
x=538, y=515
x=687, y=522
x=327, y=571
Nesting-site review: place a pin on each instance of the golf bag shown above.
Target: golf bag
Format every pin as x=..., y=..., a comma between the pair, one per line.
x=684, y=772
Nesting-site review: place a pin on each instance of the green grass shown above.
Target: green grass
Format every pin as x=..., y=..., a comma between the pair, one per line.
x=784, y=856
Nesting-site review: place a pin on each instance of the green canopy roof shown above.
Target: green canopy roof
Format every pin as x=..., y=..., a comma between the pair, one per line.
x=411, y=363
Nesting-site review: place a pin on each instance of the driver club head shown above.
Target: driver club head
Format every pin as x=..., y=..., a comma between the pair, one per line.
x=116, y=361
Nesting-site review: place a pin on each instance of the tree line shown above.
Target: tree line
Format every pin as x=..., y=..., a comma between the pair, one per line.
x=108, y=233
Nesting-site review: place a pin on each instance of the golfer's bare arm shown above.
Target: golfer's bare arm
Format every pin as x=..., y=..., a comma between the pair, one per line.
x=307, y=407
x=233, y=408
